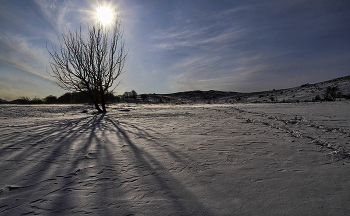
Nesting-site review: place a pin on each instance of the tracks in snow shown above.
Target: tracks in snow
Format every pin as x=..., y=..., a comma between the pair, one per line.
x=299, y=126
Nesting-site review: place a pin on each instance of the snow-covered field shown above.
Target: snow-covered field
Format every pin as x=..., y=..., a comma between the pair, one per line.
x=243, y=159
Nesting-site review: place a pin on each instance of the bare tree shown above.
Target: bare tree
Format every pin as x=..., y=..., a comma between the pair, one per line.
x=90, y=64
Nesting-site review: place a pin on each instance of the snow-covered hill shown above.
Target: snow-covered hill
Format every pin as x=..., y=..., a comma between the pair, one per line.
x=340, y=88
x=303, y=93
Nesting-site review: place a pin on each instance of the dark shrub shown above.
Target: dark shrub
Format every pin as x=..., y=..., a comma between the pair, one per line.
x=331, y=93
x=317, y=98
x=50, y=99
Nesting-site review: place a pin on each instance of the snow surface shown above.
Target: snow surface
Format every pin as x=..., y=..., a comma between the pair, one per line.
x=242, y=159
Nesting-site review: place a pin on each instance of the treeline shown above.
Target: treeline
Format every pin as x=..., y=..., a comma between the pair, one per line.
x=75, y=98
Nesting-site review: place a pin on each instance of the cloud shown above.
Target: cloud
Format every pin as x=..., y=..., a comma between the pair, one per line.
x=20, y=52
x=55, y=13
x=65, y=15
x=199, y=38
x=217, y=30
x=235, y=77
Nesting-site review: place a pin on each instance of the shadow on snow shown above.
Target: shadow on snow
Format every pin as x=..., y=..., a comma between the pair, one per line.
x=92, y=164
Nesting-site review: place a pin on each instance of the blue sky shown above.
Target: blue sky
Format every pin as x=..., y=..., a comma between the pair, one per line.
x=185, y=45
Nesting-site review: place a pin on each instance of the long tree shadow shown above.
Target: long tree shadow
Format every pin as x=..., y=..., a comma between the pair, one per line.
x=80, y=166
x=33, y=173
x=180, y=197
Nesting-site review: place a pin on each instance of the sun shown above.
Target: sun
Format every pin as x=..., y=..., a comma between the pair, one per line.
x=105, y=15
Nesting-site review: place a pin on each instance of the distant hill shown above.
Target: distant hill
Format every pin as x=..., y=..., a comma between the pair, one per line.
x=340, y=89
x=17, y=101
x=200, y=96
x=2, y=101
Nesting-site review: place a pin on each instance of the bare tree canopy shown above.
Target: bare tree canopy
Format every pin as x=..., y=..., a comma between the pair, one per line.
x=90, y=64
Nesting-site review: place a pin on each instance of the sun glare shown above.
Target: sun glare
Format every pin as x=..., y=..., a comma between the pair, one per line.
x=105, y=15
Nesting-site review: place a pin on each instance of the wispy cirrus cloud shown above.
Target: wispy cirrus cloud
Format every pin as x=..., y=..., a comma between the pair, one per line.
x=23, y=46
x=20, y=52
x=199, y=38
x=58, y=14
x=216, y=31
x=240, y=74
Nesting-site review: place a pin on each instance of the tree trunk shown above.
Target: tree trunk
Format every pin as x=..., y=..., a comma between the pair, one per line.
x=94, y=101
x=98, y=107
x=103, y=102
x=104, y=108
